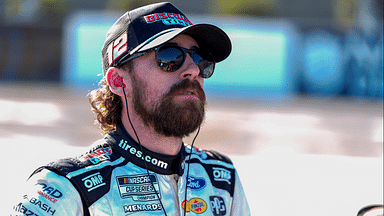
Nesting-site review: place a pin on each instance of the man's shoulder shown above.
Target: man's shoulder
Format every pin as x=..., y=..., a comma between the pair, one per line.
x=219, y=156
x=89, y=172
x=217, y=166
x=204, y=154
x=99, y=152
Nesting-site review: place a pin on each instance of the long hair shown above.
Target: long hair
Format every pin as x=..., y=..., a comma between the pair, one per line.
x=107, y=105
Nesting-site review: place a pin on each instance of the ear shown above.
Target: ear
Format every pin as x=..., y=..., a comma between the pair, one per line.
x=115, y=81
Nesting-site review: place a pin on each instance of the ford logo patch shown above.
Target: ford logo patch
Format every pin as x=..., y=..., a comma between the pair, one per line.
x=196, y=183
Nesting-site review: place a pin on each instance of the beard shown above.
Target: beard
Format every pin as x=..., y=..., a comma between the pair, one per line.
x=167, y=117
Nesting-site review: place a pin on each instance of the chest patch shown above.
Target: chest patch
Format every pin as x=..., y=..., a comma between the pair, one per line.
x=139, y=187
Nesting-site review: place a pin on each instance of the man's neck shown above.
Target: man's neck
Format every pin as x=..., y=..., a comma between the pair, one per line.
x=150, y=139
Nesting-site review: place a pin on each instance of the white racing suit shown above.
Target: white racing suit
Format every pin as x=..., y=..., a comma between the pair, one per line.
x=112, y=179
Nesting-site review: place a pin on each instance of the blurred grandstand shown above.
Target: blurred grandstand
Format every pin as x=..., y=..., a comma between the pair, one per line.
x=300, y=99
x=332, y=48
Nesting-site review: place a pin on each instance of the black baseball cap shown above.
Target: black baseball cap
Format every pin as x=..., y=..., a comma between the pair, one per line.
x=150, y=26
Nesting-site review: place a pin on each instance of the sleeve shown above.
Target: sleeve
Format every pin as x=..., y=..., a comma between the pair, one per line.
x=47, y=193
x=240, y=204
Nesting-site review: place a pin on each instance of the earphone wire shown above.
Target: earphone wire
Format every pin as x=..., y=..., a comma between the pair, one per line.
x=141, y=148
x=187, y=177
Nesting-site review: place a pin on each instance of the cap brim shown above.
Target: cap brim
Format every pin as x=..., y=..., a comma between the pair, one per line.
x=209, y=38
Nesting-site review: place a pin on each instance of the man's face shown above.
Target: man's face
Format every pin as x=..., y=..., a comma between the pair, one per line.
x=171, y=103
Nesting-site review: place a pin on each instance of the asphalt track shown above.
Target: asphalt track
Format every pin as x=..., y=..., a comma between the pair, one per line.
x=294, y=156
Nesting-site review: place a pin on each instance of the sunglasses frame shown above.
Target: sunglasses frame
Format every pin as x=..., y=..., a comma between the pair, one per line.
x=191, y=52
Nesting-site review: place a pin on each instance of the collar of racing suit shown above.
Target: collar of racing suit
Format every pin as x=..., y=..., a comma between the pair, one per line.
x=156, y=162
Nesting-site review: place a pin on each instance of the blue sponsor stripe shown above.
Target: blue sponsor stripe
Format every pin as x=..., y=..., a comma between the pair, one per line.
x=95, y=167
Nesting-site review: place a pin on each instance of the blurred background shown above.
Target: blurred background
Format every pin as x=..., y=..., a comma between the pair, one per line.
x=300, y=99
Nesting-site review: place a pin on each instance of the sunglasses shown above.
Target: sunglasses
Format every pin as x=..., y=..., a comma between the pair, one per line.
x=170, y=58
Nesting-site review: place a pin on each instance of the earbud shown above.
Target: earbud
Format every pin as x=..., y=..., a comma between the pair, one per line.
x=118, y=82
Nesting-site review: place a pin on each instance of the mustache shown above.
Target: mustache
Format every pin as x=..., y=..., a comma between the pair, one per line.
x=187, y=85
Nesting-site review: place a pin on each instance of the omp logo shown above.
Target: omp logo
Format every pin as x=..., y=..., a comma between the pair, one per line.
x=217, y=205
x=221, y=174
x=139, y=187
x=196, y=183
x=93, y=181
x=154, y=161
x=168, y=19
x=195, y=205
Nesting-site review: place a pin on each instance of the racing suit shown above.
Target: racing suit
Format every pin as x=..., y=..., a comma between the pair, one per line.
x=117, y=178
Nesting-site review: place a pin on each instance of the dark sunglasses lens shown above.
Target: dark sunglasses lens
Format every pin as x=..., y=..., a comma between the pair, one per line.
x=206, y=69
x=170, y=59
x=205, y=63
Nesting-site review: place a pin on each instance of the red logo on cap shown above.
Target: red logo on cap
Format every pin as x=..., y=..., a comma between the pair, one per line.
x=168, y=19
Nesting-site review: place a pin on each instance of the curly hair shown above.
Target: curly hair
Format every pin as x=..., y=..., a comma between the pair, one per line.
x=107, y=105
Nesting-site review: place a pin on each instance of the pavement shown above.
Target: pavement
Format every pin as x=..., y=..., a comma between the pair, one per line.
x=297, y=156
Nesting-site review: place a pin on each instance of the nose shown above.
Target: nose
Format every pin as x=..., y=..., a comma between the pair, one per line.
x=190, y=69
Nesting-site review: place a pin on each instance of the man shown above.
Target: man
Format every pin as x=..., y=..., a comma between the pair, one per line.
x=154, y=62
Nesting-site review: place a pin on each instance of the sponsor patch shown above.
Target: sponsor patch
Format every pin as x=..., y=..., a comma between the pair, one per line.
x=43, y=206
x=201, y=153
x=168, y=19
x=217, y=204
x=195, y=183
x=93, y=181
x=97, y=156
x=139, y=187
x=142, y=207
x=22, y=209
x=195, y=205
x=137, y=153
x=221, y=174
x=49, y=193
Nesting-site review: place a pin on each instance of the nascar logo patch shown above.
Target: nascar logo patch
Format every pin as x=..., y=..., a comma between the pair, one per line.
x=139, y=187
